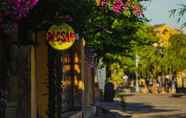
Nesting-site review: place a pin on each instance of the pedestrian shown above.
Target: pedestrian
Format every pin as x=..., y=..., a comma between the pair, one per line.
x=109, y=92
x=173, y=86
x=125, y=78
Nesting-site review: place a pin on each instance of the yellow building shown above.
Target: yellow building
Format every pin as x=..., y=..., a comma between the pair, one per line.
x=181, y=79
x=164, y=32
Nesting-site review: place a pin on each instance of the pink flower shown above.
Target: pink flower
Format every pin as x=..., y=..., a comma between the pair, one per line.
x=34, y=2
x=68, y=18
x=22, y=7
x=103, y=3
x=14, y=10
x=118, y=6
x=137, y=11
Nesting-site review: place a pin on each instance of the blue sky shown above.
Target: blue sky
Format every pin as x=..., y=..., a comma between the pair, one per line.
x=158, y=12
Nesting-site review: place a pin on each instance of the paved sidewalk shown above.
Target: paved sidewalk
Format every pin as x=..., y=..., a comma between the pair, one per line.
x=104, y=113
x=115, y=109
x=147, y=106
x=150, y=106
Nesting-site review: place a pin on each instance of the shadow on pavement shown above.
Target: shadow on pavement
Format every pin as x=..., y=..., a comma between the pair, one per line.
x=143, y=108
x=126, y=111
x=171, y=116
x=104, y=113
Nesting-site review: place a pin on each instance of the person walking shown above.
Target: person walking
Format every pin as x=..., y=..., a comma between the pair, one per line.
x=109, y=92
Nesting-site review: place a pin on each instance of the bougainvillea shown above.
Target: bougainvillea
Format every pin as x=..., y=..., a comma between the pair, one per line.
x=103, y=3
x=118, y=6
x=21, y=7
x=136, y=9
x=12, y=11
x=122, y=6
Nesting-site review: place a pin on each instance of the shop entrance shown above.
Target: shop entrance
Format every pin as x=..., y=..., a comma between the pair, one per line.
x=58, y=82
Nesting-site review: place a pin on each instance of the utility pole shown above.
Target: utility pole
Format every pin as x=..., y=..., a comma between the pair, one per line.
x=137, y=62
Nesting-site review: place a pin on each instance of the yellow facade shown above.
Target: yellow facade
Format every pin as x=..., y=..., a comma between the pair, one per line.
x=164, y=32
x=181, y=79
x=41, y=76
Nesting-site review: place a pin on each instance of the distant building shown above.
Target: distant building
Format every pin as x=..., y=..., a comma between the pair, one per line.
x=164, y=32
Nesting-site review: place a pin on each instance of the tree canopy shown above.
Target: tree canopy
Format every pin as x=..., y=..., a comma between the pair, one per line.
x=157, y=60
x=104, y=29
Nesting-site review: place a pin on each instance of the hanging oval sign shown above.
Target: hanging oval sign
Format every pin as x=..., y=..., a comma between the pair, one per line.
x=61, y=37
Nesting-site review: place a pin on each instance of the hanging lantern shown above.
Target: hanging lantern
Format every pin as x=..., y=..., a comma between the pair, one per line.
x=61, y=37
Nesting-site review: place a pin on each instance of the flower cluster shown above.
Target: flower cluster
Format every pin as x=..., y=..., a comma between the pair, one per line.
x=12, y=11
x=136, y=9
x=103, y=3
x=120, y=6
x=21, y=7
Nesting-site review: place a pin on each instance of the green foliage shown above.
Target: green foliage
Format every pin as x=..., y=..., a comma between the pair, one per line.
x=157, y=61
x=177, y=52
x=117, y=73
x=149, y=61
x=141, y=44
x=115, y=37
x=144, y=36
x=104, y=31
x=79, y=11
x=111, y=34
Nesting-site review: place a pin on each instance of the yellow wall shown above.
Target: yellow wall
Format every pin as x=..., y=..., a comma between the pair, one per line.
x=41, y=52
